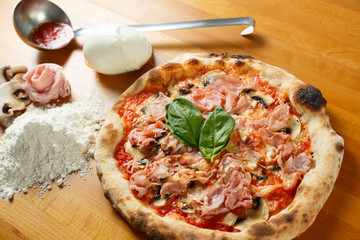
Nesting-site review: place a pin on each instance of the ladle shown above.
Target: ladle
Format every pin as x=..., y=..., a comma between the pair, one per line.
x=28, y=14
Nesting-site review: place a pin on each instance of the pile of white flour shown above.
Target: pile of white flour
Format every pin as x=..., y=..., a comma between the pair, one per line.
x=46, y=144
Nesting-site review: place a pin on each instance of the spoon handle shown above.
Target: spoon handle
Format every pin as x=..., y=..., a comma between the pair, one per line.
x=200, y=24
x=185, y=25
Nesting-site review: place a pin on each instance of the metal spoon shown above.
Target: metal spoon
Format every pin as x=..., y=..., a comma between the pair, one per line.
x=28, y=14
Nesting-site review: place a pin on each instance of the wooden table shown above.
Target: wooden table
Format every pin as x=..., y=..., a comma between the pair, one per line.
x=316, y=40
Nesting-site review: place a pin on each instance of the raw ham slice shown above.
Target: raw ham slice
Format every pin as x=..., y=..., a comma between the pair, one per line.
x=240, y=122
x=294, y=168
x=279, y=117
x=143, y=138
x=139, y=181
x=156, y=106
x=300, y=163
x=229, y=192
x=205, y=100
x=46, y=82
x=161, y=171
x=174, y=185
x=285, y=150
x=242, y=104
x=276, y=120
x=170, y=142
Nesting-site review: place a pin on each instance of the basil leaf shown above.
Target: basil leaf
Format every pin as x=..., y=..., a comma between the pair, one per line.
x=215, y=133
x=184, y=120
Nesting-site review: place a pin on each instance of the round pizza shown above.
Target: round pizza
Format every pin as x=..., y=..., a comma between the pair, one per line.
x=213, y=146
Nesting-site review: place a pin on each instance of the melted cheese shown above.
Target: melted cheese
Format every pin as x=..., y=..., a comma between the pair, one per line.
x=134, y=152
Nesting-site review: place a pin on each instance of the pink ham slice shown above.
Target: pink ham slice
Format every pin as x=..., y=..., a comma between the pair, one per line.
x=279, y=117
x=156, y=106
x=300, y=163
x=223, y=92
x=174, y=186
x=46, y=82
x=205, y=100
x=143, y=138
x=229, y=192
x=277, y=120
x=242, y=104
x=139, y=181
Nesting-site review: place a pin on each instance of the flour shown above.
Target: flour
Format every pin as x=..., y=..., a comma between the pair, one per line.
x=45, y=144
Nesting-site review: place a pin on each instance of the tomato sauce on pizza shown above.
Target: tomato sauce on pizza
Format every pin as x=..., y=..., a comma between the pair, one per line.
x=254, y=177
x=213, y=146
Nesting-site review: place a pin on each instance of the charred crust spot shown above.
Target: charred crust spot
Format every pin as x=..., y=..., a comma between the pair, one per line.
x=241, y=56
x=287, y=218
x=107, y=195
x=220, y=62
x=214, y=55
x=171, y=66
x=193, y=61
x=339, y=146
x=311, y=97
x=261, y=230
x=111, y=134
x=140, y=220
x=109, y=126
x=302, y=188
x=239, y=63
x=305, y=218
x=154, y=76
x=100, y=175
x=158, y=238
x=224, y=55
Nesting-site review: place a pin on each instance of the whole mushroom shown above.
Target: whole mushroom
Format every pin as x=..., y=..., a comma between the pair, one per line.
x=12, y=93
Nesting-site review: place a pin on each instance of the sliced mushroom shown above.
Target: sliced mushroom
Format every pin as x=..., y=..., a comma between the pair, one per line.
x=265, y=100
x=229, y=219
x=159, y=200
x=208, y=77
x=4, y=74
x=294, y=125
x=260, y=213
x=12, y=93
x=8, y=72
x=186, y=208
x=9, y=102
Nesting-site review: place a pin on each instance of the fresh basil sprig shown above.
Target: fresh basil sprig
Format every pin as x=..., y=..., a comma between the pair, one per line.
x=215, y=133
x=185, y=122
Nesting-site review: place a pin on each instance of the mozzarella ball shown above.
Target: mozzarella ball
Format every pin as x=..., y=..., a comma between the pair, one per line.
x=114, y=49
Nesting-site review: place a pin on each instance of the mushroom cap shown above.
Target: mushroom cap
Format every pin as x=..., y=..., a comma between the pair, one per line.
x=12, y=93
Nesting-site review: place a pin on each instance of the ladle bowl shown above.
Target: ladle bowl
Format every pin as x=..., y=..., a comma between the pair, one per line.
x=29, y=14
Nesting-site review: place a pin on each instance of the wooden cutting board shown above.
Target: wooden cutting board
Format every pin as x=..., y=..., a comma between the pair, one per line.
x=318, y=41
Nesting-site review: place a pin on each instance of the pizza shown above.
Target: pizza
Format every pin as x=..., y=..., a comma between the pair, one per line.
x=213, y=146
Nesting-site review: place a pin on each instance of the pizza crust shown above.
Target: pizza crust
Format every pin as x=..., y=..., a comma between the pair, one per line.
x=311, y=195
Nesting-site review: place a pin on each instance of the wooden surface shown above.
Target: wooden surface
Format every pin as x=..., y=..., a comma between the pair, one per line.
x=316, y=40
